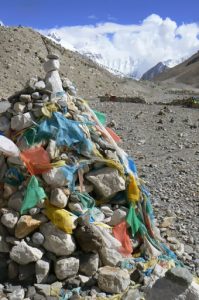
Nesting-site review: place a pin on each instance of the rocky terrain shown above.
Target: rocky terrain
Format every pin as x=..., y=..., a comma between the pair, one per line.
x=163, y=140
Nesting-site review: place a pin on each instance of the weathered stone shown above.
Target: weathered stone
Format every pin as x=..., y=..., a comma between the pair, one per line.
x=66, y=267
x=15, y=201
x=55, y=288
x=43, y=289
x=53, y=82
x=34, y=211
x=89, y=263
x=21, y=121
x=40, y=85
x=56, y=240
x=106, y=181
x=58, y=198
x=17, y=294
x=36, y=95
x=55, y=178
x=4, y=124
x=132, y=294
x=9, y=218
x=26, y=224
x=51, y=65
x=118, y=216
x=88, y=238
x=168, y=221
x=24, y=254
x=38, y=238
x=52, y=149
x=9, y=190
x=113, y=280
x=110, y=257
x=180, y=275
x=4, y=105
x=42, y=268
x=25, y=98
x=19, y=107
x=173, y=287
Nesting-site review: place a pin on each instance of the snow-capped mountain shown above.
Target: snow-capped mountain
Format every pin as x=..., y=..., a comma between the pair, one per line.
x=161, y=67
x=122, y=65
x=153, y=72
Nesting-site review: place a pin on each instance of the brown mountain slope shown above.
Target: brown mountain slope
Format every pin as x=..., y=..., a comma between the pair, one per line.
x=22, y=50
x=186, y=72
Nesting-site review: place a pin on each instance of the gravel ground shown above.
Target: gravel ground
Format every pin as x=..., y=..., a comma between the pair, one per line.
x=164, y=142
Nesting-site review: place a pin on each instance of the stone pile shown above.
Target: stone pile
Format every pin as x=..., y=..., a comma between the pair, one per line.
x=76, y=221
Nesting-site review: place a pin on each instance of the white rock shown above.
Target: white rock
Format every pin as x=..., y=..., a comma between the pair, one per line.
x=58, y=198
x=113, y=280
x=17, y=294
x=24, y=254
x=9, y=219
x=36, y=95
x=42, y=268
x=56, y=240
x=53, y=82
x=66, y=267
x=40, y=85
x=55, y=178
x=22, y=121
x=107, y=181
x=118, y=216
x=75, y=207
x=19, y=107
x=110, y=257
x=52, y=149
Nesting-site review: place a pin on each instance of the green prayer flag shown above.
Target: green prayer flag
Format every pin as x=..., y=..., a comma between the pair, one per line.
x=133, y=220
x=101, y=117
x=34, y=194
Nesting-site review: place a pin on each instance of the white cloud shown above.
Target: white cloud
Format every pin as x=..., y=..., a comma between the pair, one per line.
x=132, y=47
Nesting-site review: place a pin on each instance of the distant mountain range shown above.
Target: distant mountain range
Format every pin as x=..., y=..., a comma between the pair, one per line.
x=187, y=72
x=122, y=66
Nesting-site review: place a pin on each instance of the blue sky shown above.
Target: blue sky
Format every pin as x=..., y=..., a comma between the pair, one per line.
x=51, y=13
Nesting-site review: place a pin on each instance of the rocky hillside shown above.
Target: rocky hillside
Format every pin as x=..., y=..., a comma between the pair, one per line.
x=186, y=72
x=23, y=50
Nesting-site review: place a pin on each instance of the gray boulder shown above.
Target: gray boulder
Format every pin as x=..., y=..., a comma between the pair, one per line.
x=24, y=254
x=107, y=181
x=66, y=267
x=113, y=280
x=57, y=241
x=89, y=263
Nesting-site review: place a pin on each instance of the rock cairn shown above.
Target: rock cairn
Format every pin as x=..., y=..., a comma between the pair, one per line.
x=76, y=220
